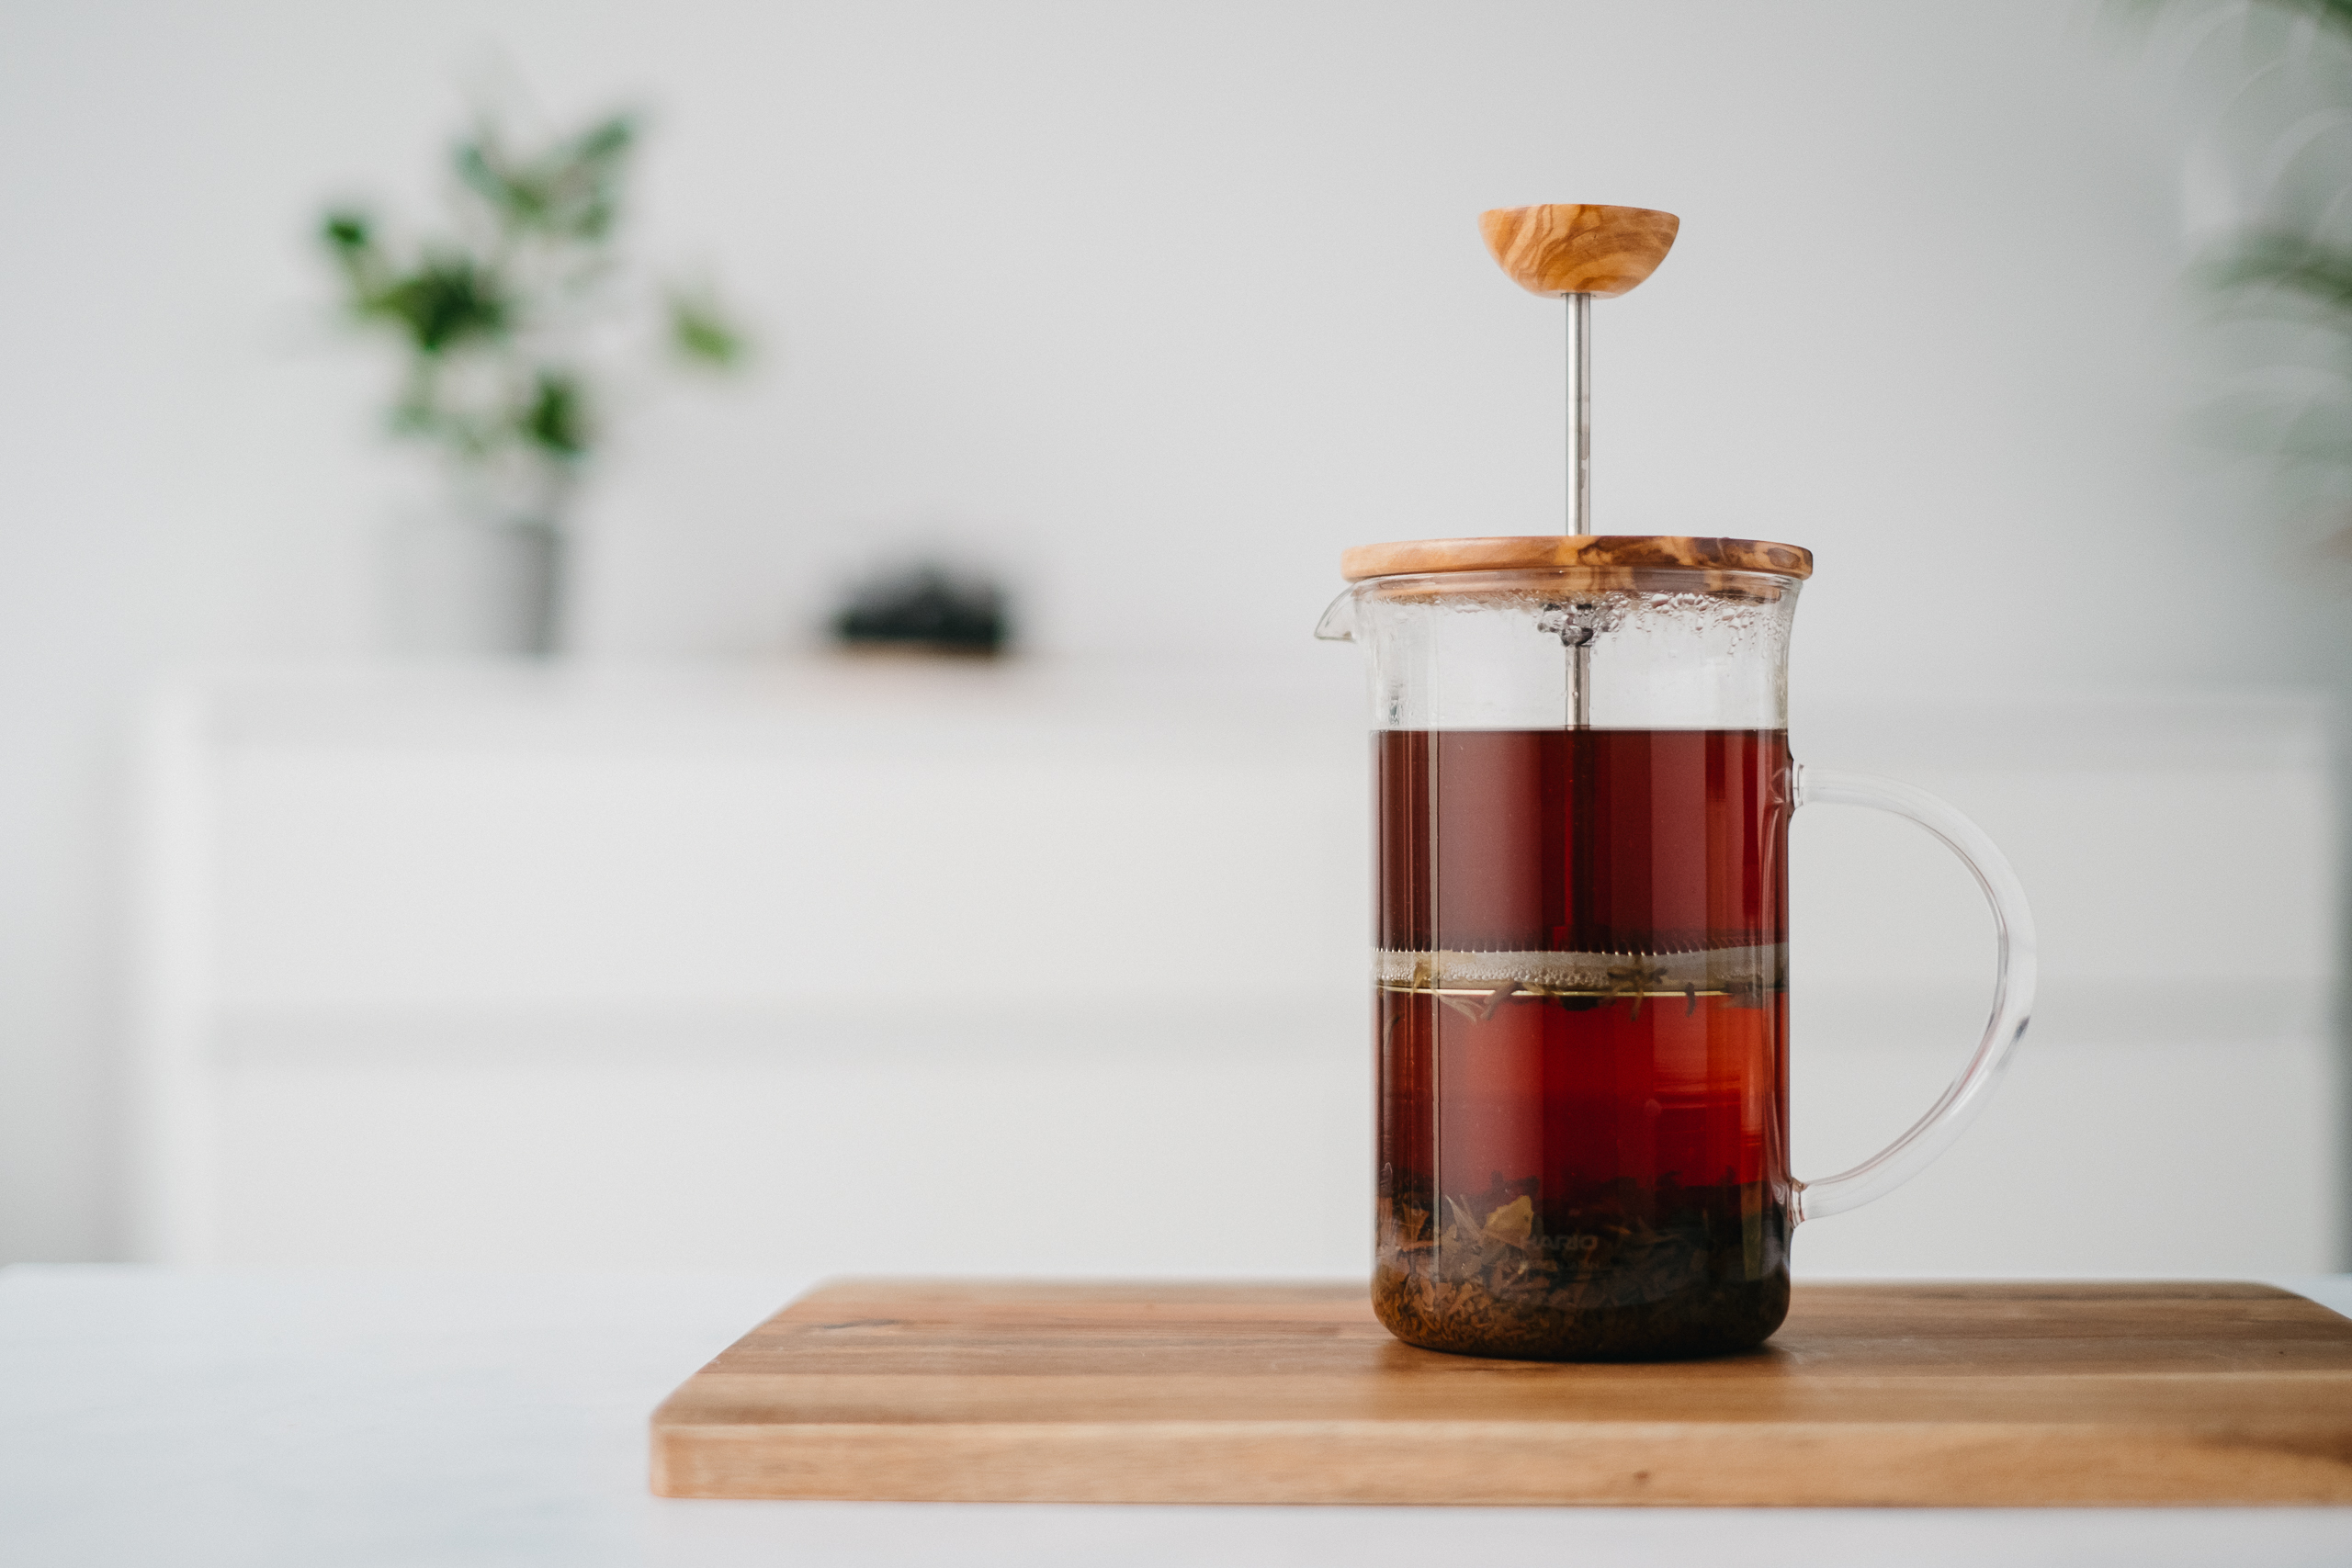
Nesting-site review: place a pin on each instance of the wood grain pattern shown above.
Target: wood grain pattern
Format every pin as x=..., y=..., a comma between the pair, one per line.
x=1559, y=551
x=1912, y=1394
x=1575, y=249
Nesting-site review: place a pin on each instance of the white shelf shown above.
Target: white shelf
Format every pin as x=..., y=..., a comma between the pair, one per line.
x=826, y=966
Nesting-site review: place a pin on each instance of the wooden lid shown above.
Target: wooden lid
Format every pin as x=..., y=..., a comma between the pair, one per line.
x=1568, y=551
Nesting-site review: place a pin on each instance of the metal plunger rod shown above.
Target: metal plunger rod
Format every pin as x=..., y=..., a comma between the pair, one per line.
x=1579, y=413
x=1578, y=251
x=1580, y=488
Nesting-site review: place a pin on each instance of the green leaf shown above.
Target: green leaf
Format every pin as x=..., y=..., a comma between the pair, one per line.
x=2144, y=14
x=557, y=419
x=701, y=331
x=2288, y=264
x=347, y=232
x=2336, y=14
x=350, y=239
x=568, y=190
x=450, y=300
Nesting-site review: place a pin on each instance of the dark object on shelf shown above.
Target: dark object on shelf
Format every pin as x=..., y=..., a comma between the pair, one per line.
x=927, y=607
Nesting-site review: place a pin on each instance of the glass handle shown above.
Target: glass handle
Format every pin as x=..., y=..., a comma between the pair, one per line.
x=2013, y=977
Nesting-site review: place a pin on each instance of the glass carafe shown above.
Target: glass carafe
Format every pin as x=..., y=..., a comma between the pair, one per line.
x=1583, y=789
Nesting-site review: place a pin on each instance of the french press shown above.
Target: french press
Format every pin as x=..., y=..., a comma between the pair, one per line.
x=1580, y=968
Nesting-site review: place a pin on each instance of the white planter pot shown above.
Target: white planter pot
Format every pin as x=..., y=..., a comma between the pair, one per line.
x=461, y=587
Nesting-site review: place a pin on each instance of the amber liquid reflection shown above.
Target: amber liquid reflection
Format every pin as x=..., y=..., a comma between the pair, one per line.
x=1583, y=1027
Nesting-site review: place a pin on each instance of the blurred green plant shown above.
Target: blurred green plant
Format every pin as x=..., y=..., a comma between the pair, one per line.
x=499, y=323
x=2275, y=168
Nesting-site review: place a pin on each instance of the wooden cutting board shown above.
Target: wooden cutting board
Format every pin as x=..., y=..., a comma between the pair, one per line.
x=1898, y=1394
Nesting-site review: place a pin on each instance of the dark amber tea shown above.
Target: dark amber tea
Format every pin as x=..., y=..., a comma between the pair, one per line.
x=1583, y=1022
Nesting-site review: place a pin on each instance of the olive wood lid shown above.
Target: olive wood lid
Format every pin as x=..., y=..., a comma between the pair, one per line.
x=1554, y=551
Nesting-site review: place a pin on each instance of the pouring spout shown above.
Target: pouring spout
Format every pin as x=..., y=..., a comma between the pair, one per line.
x=1338, y=622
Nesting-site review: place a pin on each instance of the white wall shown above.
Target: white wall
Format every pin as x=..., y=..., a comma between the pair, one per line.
x=1161, y=306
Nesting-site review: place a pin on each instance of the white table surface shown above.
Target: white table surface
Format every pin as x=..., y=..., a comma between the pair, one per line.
x=332, y=1420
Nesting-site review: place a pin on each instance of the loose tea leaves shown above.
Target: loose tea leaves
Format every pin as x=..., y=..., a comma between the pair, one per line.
x=1706, y=1273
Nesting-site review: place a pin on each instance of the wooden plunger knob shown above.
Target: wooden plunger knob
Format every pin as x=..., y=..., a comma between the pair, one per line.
x=1578, y=250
